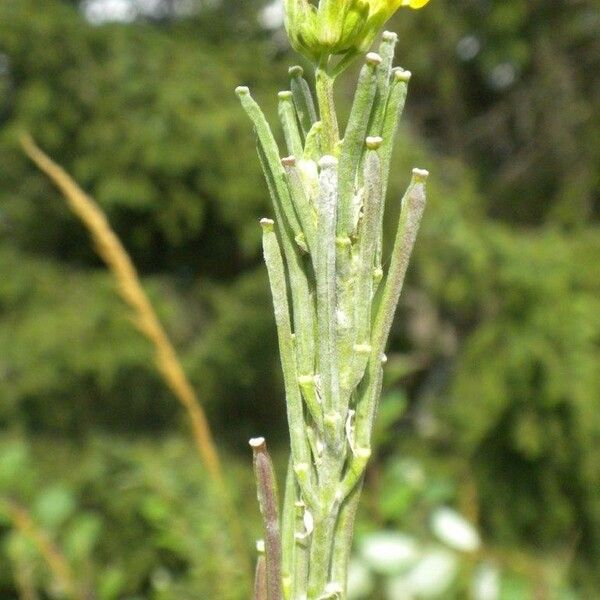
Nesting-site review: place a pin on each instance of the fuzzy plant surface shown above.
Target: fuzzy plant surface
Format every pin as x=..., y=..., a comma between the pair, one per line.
x=334, y=300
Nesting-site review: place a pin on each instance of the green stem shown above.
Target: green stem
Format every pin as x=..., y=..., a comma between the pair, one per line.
x=324, y=84
x=301, y=555
x=321, y=550
x=344, y=532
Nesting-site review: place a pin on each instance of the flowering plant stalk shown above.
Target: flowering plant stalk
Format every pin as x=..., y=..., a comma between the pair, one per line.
x=333, y=301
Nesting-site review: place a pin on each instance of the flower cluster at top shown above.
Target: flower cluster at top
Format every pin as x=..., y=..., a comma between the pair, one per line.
x=338, y=27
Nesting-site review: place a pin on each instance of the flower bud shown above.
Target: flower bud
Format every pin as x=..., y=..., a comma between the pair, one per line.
x=336, y=27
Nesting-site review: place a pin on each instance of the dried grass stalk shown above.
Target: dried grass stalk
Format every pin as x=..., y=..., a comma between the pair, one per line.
x=115, y=256
x=57, y=563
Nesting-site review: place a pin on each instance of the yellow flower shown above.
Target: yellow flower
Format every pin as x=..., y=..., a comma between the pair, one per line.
x=393, y=5
x=338, y=26
x=415, y=3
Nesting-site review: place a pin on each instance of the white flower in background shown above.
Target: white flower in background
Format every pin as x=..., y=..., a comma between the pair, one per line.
x=106, y=11
x=271, y=16
x=468, y=47
x=431, y=576
x=360, y=582
x=389, y=553
x=413, y=473
x=98, y=12
x=486, y=582
x=454, y=530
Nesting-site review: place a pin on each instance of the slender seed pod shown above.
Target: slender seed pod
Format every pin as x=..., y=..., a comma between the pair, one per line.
x=344, y=314
x=370, y=233
x=260, y=579
x=289, y=123
x=302, y=538
x=304, y=315
x=412, y=208
x=272, y=165
x=275, y=268
x=303, y=100
x=304, y=321
x=394, y=110
x=325, y=279
x=308, y=164
x=413, y=205
x=285, y=230
x=354, y=140
x=386, y=51
x=306, y=213
x=303, y=308
x=266, y=486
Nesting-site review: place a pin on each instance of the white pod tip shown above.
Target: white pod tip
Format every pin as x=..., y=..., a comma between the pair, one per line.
x=374, y=142
x=373, y=58
x=420, y=174
x=402, y=75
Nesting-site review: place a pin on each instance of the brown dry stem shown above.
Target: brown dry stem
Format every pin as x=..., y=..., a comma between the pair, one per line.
x=112, y=251
x=57, y=563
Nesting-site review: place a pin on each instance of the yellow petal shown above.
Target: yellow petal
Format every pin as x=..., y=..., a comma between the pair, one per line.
x=415, y=3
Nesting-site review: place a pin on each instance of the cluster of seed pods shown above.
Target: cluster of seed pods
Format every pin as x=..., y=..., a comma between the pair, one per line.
x=334, y=305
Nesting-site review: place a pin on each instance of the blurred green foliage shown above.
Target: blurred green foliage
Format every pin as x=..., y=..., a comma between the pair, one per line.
x=507, y=86
x=133, y=519
x=494, y=357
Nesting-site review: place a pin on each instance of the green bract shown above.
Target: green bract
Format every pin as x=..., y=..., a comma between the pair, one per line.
x=338, y=26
